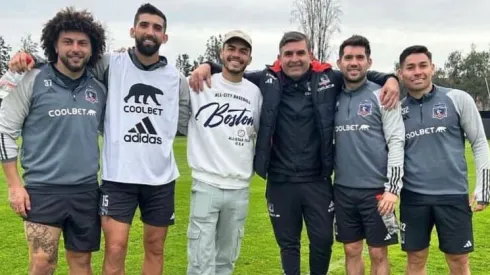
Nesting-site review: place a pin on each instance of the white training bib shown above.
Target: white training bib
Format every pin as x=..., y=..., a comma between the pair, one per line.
x=140, y=123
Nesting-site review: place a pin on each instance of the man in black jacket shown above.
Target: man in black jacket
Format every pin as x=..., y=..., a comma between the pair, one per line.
x=294, y=147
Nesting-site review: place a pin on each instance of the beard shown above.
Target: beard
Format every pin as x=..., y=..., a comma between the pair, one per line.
x=147, y=50
x=233, y=69
x=72, y=67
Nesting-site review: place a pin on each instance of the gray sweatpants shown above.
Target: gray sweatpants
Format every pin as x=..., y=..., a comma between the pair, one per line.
x=216, y=227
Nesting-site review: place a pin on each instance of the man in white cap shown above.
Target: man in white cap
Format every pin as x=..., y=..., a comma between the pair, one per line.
x=220, y=151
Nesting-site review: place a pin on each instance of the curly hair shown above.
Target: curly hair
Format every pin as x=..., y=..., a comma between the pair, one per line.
x=69, y=19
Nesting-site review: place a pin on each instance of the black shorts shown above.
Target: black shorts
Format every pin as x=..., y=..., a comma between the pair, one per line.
x=75, y=213
x=357, y=217
x=120, y=200
x=453, y=224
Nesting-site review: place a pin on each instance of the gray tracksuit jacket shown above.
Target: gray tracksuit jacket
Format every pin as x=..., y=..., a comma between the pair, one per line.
x=369, y=141
x=59, y=128
x=435, y=144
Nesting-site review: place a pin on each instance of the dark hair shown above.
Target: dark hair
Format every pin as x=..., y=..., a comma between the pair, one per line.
x=356, y=41
x=235, y=39
x=150, y=9
x=294, y=37
x=67, y=20
x=413, y=50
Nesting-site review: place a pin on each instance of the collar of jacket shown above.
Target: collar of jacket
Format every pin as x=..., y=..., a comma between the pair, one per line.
x=162, y=62
x=53, y=74
x=349, y=91
x=425, y=97
x=314, y=67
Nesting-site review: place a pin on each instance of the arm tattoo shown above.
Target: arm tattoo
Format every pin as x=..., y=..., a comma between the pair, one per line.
x=41, y=238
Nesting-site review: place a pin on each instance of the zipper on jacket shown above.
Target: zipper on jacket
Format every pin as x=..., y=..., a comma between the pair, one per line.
x=75, y=91
x=421, y=104
x=421, y=114
x=348, y=106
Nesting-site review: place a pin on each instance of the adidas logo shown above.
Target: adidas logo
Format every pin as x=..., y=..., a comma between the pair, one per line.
x=388, y=237
x=467, y=245
x=143, y=132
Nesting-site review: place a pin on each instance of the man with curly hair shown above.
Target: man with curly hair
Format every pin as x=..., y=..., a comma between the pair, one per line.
x=57, y=109
x=148, y=99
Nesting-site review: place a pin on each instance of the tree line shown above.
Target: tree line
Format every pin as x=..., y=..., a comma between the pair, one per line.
x=320, y=21
x=211, y=53
x=469, y=72
x=26, y=44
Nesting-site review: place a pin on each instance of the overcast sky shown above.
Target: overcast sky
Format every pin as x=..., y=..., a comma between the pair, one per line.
x=390, y=25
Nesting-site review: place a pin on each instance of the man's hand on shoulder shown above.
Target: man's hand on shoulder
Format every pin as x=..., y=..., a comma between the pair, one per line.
x=198, y=76
x=122, y=50
x=21, y=62
x=390, y=93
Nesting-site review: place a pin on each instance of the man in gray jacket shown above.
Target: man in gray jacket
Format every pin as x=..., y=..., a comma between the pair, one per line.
x=438, y=120
x=368, y=163
x=57, y=110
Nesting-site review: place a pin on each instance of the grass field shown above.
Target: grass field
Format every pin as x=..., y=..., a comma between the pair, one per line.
x=259, y=253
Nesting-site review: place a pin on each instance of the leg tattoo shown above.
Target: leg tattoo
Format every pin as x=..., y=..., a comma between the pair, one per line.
x=41, y=238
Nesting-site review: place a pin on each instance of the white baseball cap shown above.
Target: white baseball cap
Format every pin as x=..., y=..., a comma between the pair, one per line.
x=238, y=34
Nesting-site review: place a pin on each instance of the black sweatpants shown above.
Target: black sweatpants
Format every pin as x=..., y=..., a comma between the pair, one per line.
x=288, y=204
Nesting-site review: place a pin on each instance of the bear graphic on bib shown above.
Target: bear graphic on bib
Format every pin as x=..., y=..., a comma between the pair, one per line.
x=140, y=89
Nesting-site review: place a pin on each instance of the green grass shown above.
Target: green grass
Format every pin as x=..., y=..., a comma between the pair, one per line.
x=259, y=254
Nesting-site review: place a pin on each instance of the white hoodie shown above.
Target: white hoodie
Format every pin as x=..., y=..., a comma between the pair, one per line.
x=222, y=131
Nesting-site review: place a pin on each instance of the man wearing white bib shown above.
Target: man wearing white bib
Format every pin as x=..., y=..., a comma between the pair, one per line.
x=147, y=100
x=220, y=150
x=145, y=95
